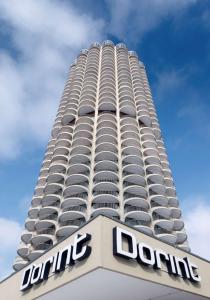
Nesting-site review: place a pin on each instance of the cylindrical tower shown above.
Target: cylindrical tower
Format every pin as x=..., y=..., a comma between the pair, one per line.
x=106, y=156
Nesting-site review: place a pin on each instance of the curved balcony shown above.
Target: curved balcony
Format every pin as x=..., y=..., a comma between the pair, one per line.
x=133, y=191
x=67, y=227
x=109, y=117
x=107, y=105
x=155, y=179
x=65, y=136
x=134, y=179
x=36, y=201
x=106, y=131
x=162, y=222
x=176, y=213
x=129, y=128
x=152, y=160
x=19, y=263
x=106, y=155
x=106, y=146
x=178, y=224
x=105, y=176
x=128, y=109
x=81, y=141
x=130, y=134
x=157, y=189
x=136, y=213
x=149, y=145
x=38, y=191
x=61, y=151
x=132, y=159
x=173, y=202
x=137, y=201
x=87, y=108
x=26, y=236
x=131, y=150
x=160, y=212
x=171, y=192
x=51, y=200
x=39, y=249
x=84, y=126
x=130, y=142
x=60, y=156
x=56, y=178
x=30, y=224
x=144, y=117
x=84, y=120
x=153, y=169
x=184, y=247
x=73, y=213
x=140, y=225
x=105, y=197
x=23, y=250
x=110, y=187
x=74, y=190
x=106, y=165
x=158, y=200
x=128, y=121
x=83, y=134
x=53, y=188
x=105, y=138
x=44, y=236
x=69, y=117
x=133, y=169
x=165, y=235
x=78, y=169
x=48, y=212
x=77, y=179
x=80, y=199
x=33, y=212
x=181, y=236
x=169, y=182
x=58, y=167
x=48, y=223
x=107, y=209
x=106, y=124
x=79, y=159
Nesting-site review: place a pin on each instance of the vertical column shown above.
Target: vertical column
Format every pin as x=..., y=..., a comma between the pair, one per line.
x=134, y=185
x=105, y=181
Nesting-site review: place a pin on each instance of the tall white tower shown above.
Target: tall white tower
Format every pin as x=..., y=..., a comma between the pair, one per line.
x=106, y=156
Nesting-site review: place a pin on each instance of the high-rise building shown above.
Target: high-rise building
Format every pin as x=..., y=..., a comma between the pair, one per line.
x=106, y=156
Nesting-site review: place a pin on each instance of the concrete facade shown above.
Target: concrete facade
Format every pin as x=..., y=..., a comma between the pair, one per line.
x=106, y=156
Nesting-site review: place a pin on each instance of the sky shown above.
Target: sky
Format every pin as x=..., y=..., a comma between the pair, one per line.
x=39, y=40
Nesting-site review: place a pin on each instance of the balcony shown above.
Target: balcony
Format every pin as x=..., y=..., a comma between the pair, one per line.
x=68, y=227
x=23, y=250
x=107, y=209
x=137, y=213
x=165, y=235
x=142, y=226
x=19, y=263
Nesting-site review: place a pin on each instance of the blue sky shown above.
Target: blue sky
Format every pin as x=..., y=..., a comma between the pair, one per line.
x=39, y=40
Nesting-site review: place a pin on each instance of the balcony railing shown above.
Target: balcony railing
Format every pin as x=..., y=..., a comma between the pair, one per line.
x=75, y=208
x=129, y=208
x=104, y=205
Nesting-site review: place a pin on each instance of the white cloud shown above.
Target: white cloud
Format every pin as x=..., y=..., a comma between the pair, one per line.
x=131, y=20
x=10, y=237
x=197, y=223
x=46, y=35
x=168, y=82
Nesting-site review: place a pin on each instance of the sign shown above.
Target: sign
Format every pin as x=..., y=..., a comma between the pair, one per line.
x=125, y=246
x=35, y=274
x=153, y=258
